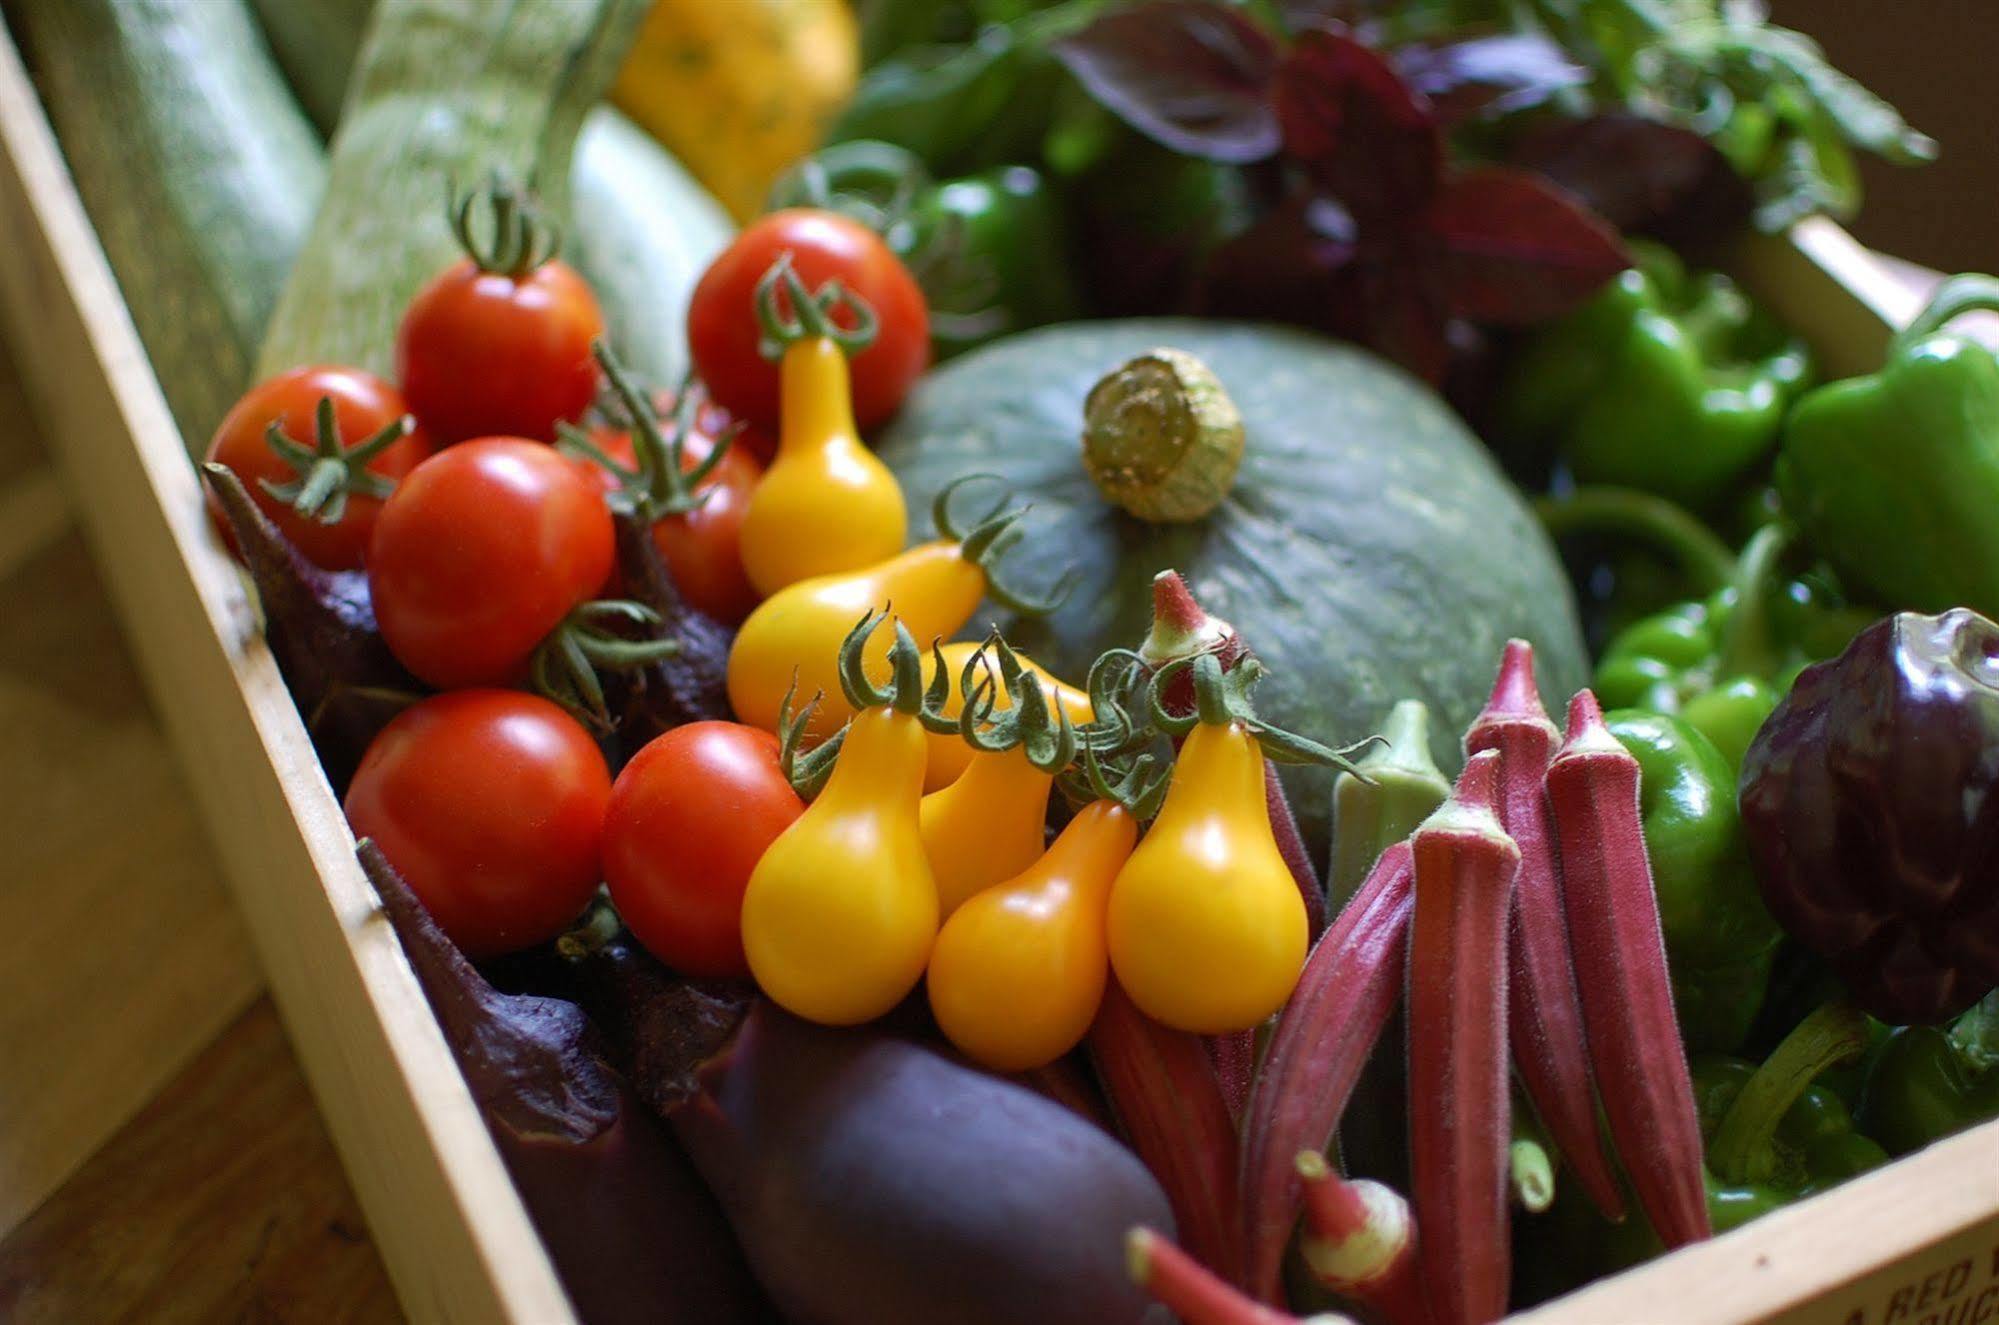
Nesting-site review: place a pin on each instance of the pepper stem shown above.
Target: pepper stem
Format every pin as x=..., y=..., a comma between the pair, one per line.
x=1749, y=643
x=1628, y=513
x=1967, y=293
x=1833, y=1034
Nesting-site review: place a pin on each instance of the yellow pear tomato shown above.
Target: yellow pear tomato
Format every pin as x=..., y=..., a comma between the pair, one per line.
x=987, y=826
x=1018, y=971
x=826, y=504
x=840, y=914
x=1207, y=929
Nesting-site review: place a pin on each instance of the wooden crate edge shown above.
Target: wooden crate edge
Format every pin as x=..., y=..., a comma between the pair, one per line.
x=452, y=1231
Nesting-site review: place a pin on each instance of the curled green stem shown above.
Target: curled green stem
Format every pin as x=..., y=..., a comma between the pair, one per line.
x=565, y=667
x=1629, y=513
x=1741, y=1150
x=326, y=473
x=811, y=315
x=519, y=236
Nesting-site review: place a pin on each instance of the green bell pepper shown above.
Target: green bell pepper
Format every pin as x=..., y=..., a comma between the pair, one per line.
x=1774, y=1134
x=1720, y=941
x=1666, y=381
x=1722, y=663
x=990, y=249
x=1894, y=477
x=1926, y=1082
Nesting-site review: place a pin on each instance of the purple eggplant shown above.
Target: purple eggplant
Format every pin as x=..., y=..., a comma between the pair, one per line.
x=320, y=626
x=635, y=1235
x=873, y=1181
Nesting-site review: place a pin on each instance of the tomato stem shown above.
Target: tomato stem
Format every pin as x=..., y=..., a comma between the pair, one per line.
x=812, y=312
x=522, y=238
x=326, y=471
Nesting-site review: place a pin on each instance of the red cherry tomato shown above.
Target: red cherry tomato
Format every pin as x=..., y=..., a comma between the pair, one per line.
x=363, y=405
x=482, y=353
x=480, y=553
x=690, y=817
x=703, y=548
x=490, y=804
x=722, y=325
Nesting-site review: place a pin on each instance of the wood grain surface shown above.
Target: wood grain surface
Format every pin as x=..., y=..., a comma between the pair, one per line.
x=222, y=1201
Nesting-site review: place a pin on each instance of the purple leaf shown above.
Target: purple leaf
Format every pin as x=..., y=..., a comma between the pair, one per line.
x=1193, y=76
x=1362, y=133
x=1639, y=174
x=1519, y=250
x=1283, y=267
x=1487, y=75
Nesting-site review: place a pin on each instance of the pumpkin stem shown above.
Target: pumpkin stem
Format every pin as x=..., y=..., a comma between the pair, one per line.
x=811, y=316
x=1161, y=438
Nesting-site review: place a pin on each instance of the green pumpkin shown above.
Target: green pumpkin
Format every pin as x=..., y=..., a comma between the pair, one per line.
x=1368, y=551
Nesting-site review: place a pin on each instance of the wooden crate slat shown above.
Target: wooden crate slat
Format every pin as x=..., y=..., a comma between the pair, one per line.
x=452, y=1232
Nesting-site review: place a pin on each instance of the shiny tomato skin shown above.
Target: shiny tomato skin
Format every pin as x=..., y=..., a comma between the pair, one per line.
x=703, y=547
x=480, y=553
x=690, y=817
x=363, y=405
x=722, y=328
x=490, y=804
x=482, y=354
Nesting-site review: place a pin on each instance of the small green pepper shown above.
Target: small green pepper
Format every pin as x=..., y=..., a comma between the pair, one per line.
x=1894, y=477
x=1720, y=941
x=1723, y=663
x=1926, y=1082
x=1666, y=381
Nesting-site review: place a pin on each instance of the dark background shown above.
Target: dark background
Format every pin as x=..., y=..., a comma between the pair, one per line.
x=1938, y=61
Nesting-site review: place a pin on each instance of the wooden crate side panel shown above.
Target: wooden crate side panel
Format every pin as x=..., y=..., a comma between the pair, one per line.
x=1916, y=1243
x=451, y=1229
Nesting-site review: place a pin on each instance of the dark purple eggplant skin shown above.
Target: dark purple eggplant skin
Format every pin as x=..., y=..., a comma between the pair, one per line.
x=635, y=1235
x=320, y=626
x=874, y=1182
x=689, y=685
x=1869, y=801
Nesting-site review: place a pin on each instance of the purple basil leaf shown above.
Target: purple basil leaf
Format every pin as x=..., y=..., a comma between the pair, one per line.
x=1640, y=175
x=1193, y=76
x=1517, y=249
x=1488, y=75
x=1362, y=133
x=1404, y=307
x=1283, y=268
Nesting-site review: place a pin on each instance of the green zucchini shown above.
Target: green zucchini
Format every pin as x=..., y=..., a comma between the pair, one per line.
x=642, y=229
x=445, y=93
x=199, y=171
x=316, y=42
x=643, y=233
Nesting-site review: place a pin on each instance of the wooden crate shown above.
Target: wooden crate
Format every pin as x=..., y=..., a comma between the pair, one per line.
x=1916, y=1243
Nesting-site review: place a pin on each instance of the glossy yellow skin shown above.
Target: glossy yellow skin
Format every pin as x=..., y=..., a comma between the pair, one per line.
x=986, y=827
x=841, y=912
x=740, y=90
x=949, y=755
x=1207, y=930
x=1018, y=971
x=931, y=589
x=826, y=505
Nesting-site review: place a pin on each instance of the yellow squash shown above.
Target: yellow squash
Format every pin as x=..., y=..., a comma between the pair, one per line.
x=825, y=505
x=840, y=913
x=950, y=756
x=1018, y=971
x=740, y=89
x=1207, y=929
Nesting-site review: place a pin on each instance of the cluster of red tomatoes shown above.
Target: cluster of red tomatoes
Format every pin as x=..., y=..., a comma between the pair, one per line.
x=480, y=538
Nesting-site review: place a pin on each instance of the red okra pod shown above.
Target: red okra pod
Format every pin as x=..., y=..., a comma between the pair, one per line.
x=1349, y=986
x=1459, y=1098
x=1613, y=914
x=1544, y=1011
x=1195, y=1294
x=1360, y=1241
x=1162, y=1086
